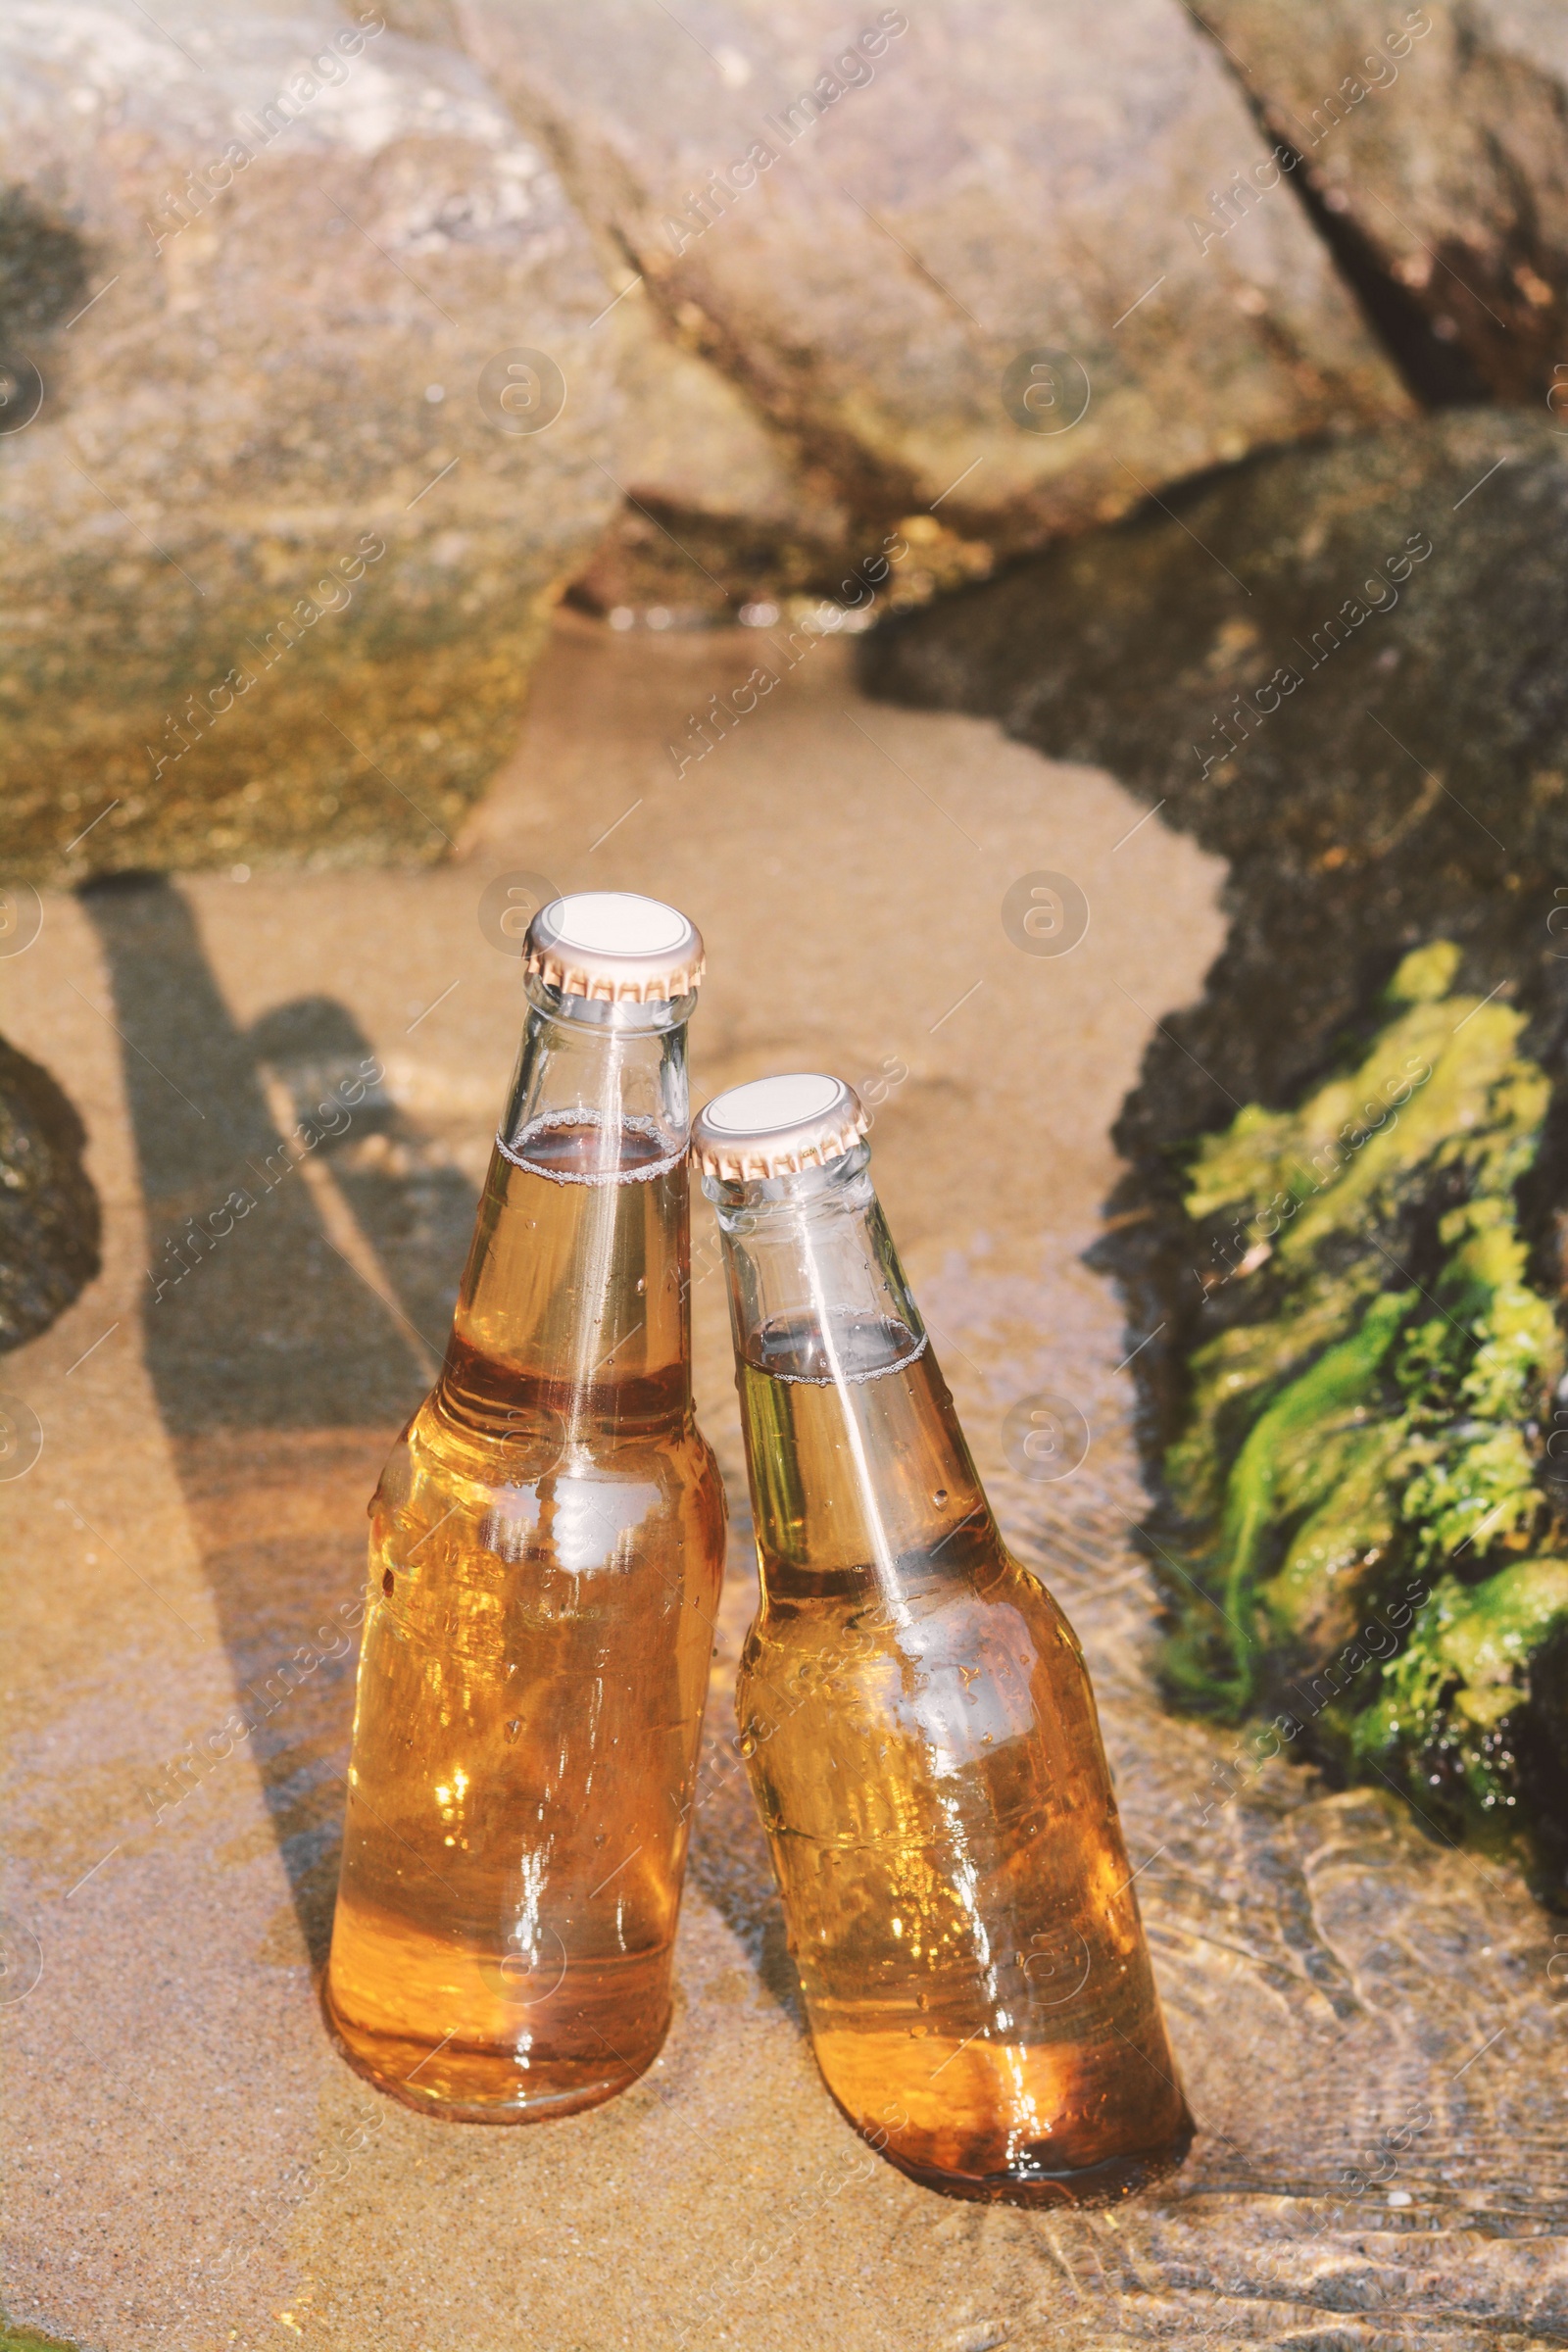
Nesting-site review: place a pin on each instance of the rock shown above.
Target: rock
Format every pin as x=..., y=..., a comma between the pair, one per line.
x=49, y=1220
x=1343, y=669
x=858, y=231
x=720, y=510
x=276, y=562
x=1365, y=1457
x=1431, y=144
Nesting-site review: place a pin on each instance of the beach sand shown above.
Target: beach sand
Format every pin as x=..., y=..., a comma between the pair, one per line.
x=188, y=2165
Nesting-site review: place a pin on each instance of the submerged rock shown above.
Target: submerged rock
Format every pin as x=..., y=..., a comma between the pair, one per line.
x=946, y=258
x=281, y=541
x=49, y=1216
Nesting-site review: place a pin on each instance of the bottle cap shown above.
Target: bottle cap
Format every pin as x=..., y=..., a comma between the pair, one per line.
x=616, y=948
x=776, y=1126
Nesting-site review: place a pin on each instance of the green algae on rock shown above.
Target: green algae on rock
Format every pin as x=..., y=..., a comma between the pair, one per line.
x=17, y=2339
x=1370, y=1532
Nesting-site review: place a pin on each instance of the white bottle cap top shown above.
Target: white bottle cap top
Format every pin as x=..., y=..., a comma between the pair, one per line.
x=777, y=1126
x=615, y=946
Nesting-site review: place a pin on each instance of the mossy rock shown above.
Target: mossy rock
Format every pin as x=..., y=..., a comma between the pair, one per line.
x=1364, y=1455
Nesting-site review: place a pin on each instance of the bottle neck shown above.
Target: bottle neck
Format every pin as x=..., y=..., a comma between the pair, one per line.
x=573, y=1310
x=861, y=1482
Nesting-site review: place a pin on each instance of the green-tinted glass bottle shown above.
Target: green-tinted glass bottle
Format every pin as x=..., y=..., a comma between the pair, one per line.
x=918, y=1717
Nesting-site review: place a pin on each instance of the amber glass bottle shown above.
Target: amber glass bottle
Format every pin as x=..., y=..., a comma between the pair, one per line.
x=546, y=1552
x=918, y=1718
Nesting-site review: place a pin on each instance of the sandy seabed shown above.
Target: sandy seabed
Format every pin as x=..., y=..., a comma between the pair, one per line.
x=188, y=2165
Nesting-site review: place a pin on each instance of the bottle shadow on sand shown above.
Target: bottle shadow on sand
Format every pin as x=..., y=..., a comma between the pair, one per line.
x=305, y=1245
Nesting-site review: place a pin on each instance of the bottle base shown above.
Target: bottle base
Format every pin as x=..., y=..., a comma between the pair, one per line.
x=1108, y=2183
x=460, y=2085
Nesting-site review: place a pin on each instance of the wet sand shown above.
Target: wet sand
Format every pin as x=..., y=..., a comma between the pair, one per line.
x=188, y=2164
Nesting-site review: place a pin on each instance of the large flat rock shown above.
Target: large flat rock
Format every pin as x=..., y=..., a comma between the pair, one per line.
x=868, y=227
x=1367, y=2022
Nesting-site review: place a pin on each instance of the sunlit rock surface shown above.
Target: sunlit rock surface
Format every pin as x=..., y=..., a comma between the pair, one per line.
x=276, y=564
x=866, y=227
x=1429, y=141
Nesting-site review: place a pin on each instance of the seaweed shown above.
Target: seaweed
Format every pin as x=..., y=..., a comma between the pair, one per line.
x=1369, y=1540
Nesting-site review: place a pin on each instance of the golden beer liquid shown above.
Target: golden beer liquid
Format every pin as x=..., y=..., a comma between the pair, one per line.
x=924, y=1748
x=546, y=1552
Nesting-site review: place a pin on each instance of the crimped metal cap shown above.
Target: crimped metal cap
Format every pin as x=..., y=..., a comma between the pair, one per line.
x=615, y=946
x=775, y=1127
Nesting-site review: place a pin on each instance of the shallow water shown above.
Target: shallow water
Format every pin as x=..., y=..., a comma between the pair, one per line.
x=1367, y=2022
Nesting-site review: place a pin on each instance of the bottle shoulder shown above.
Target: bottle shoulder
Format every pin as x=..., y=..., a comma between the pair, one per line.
x=544, y=1440
x=920, y=1611
x=447, y=1497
